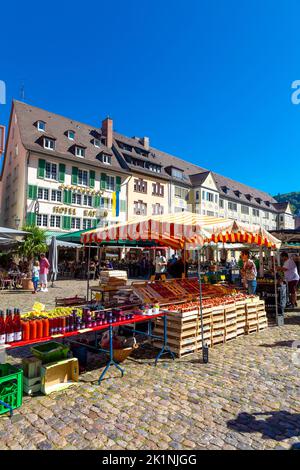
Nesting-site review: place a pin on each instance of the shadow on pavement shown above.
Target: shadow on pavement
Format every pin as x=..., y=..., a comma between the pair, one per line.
x=282, y=344
x=277, y=425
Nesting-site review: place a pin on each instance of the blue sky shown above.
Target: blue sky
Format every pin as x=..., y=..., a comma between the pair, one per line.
x=206, y=80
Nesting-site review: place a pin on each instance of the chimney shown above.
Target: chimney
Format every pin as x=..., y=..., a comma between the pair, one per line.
x=107, y=131
x=145, y=142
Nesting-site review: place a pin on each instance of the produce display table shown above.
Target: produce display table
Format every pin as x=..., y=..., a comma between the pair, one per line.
x=164, y=349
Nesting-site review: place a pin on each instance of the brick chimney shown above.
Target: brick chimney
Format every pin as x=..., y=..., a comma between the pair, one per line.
x=107, y=131
x=145, y=142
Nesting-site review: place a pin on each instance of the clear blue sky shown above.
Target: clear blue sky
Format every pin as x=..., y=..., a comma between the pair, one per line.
x=207, y=80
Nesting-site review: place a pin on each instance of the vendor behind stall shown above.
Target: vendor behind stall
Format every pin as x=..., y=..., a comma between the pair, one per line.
x=248, y=272
x=291, y=276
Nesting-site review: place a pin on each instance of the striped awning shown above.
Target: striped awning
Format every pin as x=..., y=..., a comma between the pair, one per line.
x=181, y=230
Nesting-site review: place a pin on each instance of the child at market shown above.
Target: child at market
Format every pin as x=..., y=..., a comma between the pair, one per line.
x=35, y=276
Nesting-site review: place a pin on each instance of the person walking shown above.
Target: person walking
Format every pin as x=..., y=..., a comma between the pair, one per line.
x=291, y=277
x=160, y=265
x=248, y=272
x=35, y=275
x=44, y=269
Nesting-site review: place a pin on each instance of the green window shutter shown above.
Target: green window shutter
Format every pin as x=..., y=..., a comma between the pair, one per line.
x=92, y=178
x=32, y=191
x=30, y=218
x=61, y=172
x=70, y=197
x=66, y=222
x=41, y=168
x=118, y=183
x=66, y=196
x=122, y=206
x=95, y=222
x=74, y=174
x=103, y=181
x=96, y=201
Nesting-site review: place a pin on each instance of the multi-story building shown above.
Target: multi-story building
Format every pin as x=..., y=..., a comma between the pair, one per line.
x=64, y=175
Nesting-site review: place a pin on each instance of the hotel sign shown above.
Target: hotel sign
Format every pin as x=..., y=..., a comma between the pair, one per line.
x=64, y=210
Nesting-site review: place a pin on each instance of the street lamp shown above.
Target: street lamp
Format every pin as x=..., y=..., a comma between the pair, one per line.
x=17, y=222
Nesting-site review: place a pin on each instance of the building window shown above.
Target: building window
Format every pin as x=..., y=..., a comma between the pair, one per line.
x=79, y=151
x=221, y=203
x=42, y=220
x=157, y=209
x=76, y=198
x=55, y=221
x=71, y=135
x=87, y=200
x=106, y=159
x=110, y=183
x=41, y=126
x=43, y=193
x=182, y=193
x=16, y=150
x=177, y=173
x=140, y=186
x=245, y=210
x=96, y=142
x=266, y=216
x=49, y=144
x=75, y=223
x=140, y=208
x=82, y=177
x=209, y=197
x=87, y=223
x=197, y=195
x=232, y=206
x=51, y=171
x=210, y=213
x=255, y=212
x=55, y=195
x=106, y=203
x=157, y=189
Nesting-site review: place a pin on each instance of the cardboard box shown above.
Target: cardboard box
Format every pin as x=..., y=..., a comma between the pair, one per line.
x=59, y=375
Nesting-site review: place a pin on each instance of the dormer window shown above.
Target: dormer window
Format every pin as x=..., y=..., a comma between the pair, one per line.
x=97, y=142
x=267, y=203
x=237, y=193
x=249, y=197
x=71, y=135
x=224, y=189
x=49, y=144
x=106, y=159
x=41, y=126
x=258, y=199
x=177, y=173
x=79, y=151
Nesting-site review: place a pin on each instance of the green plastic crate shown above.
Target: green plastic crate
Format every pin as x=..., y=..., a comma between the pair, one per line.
x=11, y=387
x=50, y=352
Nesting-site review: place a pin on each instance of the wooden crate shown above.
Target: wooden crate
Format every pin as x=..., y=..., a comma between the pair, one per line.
x=59, y=375
x=31, y=367
x=32, y=385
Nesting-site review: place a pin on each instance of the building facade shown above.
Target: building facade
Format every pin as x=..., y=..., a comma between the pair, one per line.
x=63, y=175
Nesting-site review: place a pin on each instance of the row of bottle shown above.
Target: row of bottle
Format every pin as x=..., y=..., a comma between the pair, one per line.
x=10, y=326
x=13, y=328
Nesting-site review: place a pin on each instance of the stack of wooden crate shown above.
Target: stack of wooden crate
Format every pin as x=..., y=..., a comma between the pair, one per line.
x=113, y=278
x=220, y=324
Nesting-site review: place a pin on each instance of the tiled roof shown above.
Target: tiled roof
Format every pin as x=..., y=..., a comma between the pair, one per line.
x=56, y=127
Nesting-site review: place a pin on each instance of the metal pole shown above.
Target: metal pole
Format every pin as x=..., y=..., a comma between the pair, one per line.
x=204, y=347
x=275, y=288
x=88, y=273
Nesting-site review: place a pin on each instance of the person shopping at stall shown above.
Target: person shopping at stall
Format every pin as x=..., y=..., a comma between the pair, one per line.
x=44, y=269
x=160, y=265
x=248, y=272
x=291, y=277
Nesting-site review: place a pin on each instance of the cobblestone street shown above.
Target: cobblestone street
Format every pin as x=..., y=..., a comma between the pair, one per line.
x=247, y=397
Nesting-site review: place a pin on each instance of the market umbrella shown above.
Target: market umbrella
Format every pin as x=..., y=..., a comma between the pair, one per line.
x=53, y=260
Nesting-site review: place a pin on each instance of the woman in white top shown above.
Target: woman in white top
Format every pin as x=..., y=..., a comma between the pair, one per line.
x=291, y=277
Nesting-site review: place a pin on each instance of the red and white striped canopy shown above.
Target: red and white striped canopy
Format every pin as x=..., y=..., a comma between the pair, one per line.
x=182, y=230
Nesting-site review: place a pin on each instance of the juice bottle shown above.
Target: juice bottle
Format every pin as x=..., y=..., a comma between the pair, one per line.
x=25, y=330
x=39, y=328
x=9, y=327
x=46, y=327
x=17, y=325
x=2, y=328
x=63, y=325
x=32, y=329
x=51, y=326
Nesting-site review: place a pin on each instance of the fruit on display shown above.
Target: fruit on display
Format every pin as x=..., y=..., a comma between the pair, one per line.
x=208, y=303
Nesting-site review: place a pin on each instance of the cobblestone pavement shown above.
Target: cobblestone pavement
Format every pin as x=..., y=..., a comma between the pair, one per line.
x=247, y=397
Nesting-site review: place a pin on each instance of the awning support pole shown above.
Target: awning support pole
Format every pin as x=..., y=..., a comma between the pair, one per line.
x=88, y=274
x=275, y=288
x=204, y=346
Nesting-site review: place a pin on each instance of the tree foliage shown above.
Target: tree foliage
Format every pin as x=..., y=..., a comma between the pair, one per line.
x=293, y=198
x=34, y=243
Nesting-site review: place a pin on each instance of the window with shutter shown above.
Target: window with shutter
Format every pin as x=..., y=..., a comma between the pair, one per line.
x=41, y=168
x=74, y=175
x=30, y=218
x=92, y=178
x=103, y=181
x=61, y=172
x=32, y=191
